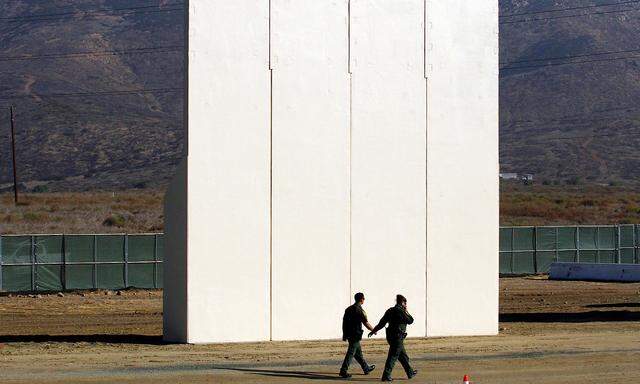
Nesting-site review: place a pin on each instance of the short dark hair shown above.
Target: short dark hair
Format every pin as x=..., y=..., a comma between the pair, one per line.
x=400, y=299
x=358, y=296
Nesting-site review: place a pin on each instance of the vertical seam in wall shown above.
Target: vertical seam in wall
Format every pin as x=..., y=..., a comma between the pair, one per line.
x=186, y=248
x=350, y=148
x=186, y=168
x=426, y=167
x=270, y=184
x=424, y=38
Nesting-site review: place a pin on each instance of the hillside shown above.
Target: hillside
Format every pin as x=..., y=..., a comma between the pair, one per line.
x=562, y=121
x=92, y=141
x=115, y=118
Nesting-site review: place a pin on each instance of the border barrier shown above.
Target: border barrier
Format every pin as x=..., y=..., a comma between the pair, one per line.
x=529, y=250
x=68, y=262
x=40, y=263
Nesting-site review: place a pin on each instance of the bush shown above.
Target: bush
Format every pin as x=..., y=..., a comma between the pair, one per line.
x=33, y=216
x=40, y=189
x=140, y=185
x=114, y=221
x=575, y=180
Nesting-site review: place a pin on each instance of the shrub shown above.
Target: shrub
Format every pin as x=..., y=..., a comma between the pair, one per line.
x=40, y=189
x=575, y=180
x=33, y=216
x=114, y=221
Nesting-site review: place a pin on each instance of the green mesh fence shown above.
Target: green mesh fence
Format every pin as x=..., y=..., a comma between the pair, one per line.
x=65, y=262
x=528, y=250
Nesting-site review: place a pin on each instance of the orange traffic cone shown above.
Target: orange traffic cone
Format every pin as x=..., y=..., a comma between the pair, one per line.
x=465, y=380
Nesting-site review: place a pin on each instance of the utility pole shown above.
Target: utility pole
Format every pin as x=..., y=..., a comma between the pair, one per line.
x=13, y=152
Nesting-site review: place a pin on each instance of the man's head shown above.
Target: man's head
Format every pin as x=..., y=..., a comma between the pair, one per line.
x=359, y=297
x=401, y=300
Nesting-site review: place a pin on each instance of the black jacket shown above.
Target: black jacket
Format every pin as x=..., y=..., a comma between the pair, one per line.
x=354, y=317
x=398, y=319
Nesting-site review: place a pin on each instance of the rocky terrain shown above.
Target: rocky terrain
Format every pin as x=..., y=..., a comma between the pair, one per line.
x=97, y=90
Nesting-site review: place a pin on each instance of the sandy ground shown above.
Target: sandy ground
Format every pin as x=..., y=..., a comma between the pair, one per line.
x=551, y=332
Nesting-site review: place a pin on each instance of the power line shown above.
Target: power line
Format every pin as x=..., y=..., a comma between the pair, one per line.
x=38, y=17
x=569, y=63
x=144, y=50
x=507, y=63
x=627, y=108
x=71, y=18
x=566, y=138
x=571, y=9
x=567, y=16
x=91, y=94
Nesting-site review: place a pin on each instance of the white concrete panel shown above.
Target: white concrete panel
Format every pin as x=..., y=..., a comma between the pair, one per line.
x=389, y=155
x=462, y=261
x=175, y=258
x=310, y=168
x=229, y=176
x=595, y=272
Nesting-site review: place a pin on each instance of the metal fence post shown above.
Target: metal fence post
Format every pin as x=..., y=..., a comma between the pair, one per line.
x=126, y=260
x=95, y=262
x=33, y=263
x=63, y=267
x=577, y=244
x=635, y=244
x=512, y=253
x=618, y=244
x=155, y=259
x=597, y=244
x=535, y=249
x=0, y=263
x=557, y=247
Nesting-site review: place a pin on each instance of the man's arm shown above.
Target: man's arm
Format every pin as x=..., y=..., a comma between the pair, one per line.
x=408, y=319
x=368, y=326
x=364, y=320
x=381, y=324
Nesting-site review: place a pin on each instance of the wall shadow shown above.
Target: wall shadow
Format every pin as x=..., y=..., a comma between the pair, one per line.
x=615, y=305
x=295, y=374
x=575, y=317
x=107, y=339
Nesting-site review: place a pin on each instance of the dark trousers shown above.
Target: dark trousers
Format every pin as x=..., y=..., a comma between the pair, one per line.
x=396, y=352
x=354, y=350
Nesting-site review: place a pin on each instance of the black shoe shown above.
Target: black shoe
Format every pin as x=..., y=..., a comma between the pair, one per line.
x=369, y=369
x=412, y=374
x=386, y=379
x=345, y=375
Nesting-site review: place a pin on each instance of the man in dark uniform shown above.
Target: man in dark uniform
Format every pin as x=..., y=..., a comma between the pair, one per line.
x=398, y=318
x=354, y=317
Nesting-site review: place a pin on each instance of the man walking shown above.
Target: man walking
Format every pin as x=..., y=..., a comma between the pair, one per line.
x=398, y=318
x=354, y=317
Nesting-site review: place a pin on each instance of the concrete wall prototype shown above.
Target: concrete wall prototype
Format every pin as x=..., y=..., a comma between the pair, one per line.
x=175, y=287
x=388, y=149
x=335, y=146
x=310, y=251
x=462, y=167
x=228, y=176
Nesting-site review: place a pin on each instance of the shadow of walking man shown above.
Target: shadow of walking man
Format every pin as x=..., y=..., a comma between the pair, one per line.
x=288, y=374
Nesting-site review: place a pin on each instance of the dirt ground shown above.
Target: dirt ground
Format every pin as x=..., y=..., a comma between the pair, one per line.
x=550, y=332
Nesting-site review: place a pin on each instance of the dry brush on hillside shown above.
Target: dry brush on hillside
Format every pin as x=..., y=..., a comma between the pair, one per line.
x=136, y=211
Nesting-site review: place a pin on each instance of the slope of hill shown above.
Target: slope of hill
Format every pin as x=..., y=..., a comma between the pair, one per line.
x=570, y=86
x=116, y=115
x=94, y=134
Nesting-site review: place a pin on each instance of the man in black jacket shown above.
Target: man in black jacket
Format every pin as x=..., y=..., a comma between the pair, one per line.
x=354, y=317
x=398, y=318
